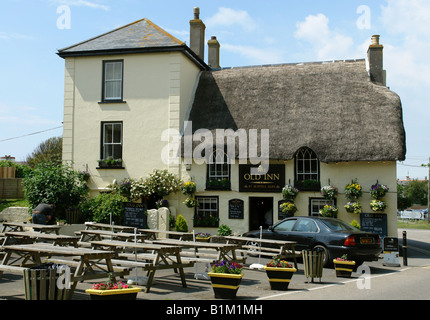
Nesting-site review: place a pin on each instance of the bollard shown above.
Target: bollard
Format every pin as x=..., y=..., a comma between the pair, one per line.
x=405, y=250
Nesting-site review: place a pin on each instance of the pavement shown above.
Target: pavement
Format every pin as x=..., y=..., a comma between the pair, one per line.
x=254, y=287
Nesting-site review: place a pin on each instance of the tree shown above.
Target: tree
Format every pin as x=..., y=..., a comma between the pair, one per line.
x=48, y=151
x=57, y=184
x=415, y=192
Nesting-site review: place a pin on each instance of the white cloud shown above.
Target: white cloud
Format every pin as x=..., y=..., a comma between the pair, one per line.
x=80, y=3
x=254, y=54
x=327, y=44
x=227, y=17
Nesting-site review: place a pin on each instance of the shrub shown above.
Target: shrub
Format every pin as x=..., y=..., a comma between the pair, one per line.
x=100, y=208
x=181, y=224
x=224, y=230
x=55, y=184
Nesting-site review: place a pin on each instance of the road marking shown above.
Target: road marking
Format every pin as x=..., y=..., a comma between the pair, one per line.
x=331, y=285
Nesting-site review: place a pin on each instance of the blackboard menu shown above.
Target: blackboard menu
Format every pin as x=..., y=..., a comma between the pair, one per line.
x=375, y=223
x=235, y=209
x=135, y=215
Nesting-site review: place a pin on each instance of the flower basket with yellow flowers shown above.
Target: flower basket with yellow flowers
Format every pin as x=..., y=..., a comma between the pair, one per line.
x=353, y=190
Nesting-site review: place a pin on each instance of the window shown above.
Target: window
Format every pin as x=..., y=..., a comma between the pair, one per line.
x=207, y=212
x=218, y=171
x=111, y=151
x=317, y=204
x=305, y=225
x=112, y=81
x=286, y=225
x=307, y=170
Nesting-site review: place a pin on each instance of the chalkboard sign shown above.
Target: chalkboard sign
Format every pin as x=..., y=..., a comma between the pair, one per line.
x=135, y=215
x=235, y=209
x=375, y=223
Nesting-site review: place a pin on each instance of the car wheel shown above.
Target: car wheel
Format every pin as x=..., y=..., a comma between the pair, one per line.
x=252, y=248
x=326, y=254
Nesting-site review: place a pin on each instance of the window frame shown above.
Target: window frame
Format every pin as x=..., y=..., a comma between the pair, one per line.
x=313, y=173
x=198, y=211
x=323, y=202
x=104, y=82
x=218, y=181
x=104, y=144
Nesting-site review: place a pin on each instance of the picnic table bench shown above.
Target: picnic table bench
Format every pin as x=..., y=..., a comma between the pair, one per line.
x=98, y=235
x=152, y=234
x=33, y=253
x=19, y=226
x=159, y=257
x=266, y=247
x=29, y=237
x=106, y=226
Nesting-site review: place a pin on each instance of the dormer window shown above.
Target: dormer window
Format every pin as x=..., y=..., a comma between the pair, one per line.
x=307, y=167
x=218, y=176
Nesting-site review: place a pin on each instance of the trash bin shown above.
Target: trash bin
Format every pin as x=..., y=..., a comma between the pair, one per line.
x=313, y=263
x=41, y=283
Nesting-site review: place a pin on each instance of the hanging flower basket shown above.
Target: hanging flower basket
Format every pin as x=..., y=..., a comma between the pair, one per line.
x=288, y=208
x=378, y=205
x=378, y=191
x=353, y=207
x=329, y=192
x=289, y=192
x=353, y=190
x=189, y=188
x=329, y=211
x=279, y=273
x=191, y=202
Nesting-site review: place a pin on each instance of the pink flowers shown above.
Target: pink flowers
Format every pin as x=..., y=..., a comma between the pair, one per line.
x=109, y=286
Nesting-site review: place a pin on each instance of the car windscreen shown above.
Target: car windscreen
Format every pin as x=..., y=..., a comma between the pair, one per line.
x=338, y=225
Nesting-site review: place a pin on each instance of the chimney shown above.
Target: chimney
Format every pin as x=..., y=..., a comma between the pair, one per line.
x=197, y=34
x=376, y=62
x=213, y=54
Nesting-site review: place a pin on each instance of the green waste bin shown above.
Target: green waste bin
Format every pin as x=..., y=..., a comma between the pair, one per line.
x=313, y=263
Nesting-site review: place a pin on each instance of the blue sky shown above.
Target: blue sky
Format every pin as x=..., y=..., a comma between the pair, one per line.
x=250, y=33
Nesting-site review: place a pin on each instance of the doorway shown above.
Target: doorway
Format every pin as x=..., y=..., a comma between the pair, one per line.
x=260, y=212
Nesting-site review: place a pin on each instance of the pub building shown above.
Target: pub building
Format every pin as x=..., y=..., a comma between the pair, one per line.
x=307, y=125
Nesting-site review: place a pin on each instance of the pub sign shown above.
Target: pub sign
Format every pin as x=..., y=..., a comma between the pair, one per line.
x=272, y=181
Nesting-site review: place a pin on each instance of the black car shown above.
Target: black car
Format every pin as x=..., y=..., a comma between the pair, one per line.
x=334, y=236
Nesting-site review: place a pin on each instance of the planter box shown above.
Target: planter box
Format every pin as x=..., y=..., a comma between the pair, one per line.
x=344, y=269
x=119, y=294
x=203, y=239
x=225, y=285
x=279, y=278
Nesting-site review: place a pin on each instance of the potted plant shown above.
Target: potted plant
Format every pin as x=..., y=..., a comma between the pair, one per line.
x=112, y=290
x=329, y=211
x=162, y=203
x=378, y=191
x=191, y=202
x=289, y=192
x=353, y=190
x=343, y=266
x=288, y=208
x=353, y=207
x=225, y=278
x=279, y=273
x=329, y=192
x=203, y=237
x=378, y=205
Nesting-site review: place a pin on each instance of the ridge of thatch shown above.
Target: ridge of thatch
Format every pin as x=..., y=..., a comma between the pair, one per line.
x=332, y=108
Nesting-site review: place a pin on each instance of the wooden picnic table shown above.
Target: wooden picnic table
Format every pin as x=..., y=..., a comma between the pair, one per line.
x=224, y=251
x=33, y=253
x=152, y=234
x=97, y=235
x=28, y=236
x=19, y=226
x=104, y=226
x=161, y=257
x=268, y=247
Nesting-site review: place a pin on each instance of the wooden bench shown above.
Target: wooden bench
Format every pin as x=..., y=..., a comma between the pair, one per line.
x=75, y=264
x=12, y=269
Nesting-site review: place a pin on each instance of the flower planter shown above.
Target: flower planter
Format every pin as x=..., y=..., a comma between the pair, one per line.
x=225, y=285
x=203, y=239
x=116, y=294
x=343, y=269
x=279, y=278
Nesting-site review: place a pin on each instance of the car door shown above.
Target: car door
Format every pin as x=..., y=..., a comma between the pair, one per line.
x=304, y=233
x=283, y=230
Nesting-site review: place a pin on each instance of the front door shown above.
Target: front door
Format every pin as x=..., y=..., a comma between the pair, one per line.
x=260, y=212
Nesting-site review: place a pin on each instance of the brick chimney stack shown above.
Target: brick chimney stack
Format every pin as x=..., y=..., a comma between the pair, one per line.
x=213, y=54
x=197, y=34
x=376, y=61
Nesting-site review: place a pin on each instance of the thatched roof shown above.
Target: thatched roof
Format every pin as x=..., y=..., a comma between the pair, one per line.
x=332, y=108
